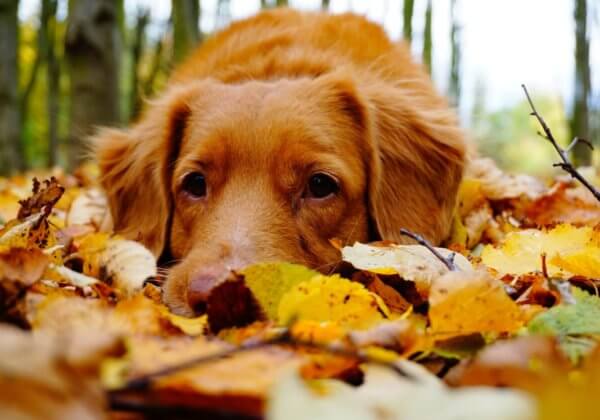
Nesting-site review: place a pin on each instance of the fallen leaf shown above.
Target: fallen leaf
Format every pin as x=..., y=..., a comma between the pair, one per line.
x=121, y=263
x=498, y=185
x=332, y=299
x=577, y=325
x=411, y=262
x=567, y=248
x=270, y=281
x=392, y=299
x=463, y=303
x=238, y=383
x=45, y=195
x=385, y=394
x=564, y=205
x=40, y=378
x=524, y=363
x=399, y=335
x=32, y=232
x=88, y=208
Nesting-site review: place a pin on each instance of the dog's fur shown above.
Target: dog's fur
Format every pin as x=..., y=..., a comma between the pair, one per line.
x=257, y=109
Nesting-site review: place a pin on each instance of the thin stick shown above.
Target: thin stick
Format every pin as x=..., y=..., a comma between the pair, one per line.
x=448, y=262
x=285, y=337
x=566, y=164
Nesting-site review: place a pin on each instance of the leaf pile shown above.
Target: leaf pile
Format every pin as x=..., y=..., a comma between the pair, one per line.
x=511, y=333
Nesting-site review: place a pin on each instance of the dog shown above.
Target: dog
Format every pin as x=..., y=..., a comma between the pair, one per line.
x=278, y=134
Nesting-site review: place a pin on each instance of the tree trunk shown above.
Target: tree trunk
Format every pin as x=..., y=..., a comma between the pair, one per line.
x=580, y=118
x=93, y=50
x=325, y=5
x=53, y=77
x=454, y=85
x=155, y=67
x=10, y=156
x=42, y=49
x=407, y=13
x=186, y=30
x=281, y=3
x=135, y=100
x=427, y=38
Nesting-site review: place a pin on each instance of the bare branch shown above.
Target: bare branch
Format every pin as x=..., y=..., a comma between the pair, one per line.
x=448, y=262
x=284, y=337
x=566, y=164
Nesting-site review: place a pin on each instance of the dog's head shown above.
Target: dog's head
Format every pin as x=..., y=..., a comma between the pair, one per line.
x=220, y=176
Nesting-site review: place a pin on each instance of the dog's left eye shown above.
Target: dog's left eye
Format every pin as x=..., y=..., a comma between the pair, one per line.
x=321, y=185
x=194, y=184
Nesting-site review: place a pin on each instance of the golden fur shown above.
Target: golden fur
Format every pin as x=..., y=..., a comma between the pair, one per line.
x=258, y=108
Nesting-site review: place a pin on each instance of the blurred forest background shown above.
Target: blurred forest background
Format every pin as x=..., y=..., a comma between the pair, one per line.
x=68, y=66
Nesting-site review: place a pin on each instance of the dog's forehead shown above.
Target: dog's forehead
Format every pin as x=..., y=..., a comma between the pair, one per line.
x=257, y=118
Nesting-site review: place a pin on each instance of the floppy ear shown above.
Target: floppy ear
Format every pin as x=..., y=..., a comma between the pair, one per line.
x=417, y=159
x=134, y=169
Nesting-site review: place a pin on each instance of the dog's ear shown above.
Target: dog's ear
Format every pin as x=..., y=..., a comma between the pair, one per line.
x=413, y=152
x=134, y=169
x=417, y=160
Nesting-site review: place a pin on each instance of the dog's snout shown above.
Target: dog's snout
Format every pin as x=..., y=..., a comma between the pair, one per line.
x=201, y=284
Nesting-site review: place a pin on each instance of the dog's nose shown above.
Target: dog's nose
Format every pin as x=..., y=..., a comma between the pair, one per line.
x=201, y=284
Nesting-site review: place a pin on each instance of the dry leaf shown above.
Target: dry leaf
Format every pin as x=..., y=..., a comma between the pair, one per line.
x=498, y=185
x=411, y=262
x=387, y=395
x=332, y=299
x=88, y=208
x=123, y=264
x=463, y=303
x=566, y=247
x=39, y=378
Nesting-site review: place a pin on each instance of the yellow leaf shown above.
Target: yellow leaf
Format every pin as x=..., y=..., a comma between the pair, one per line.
x=9, y=206
x=33, y=232
x=584, y=262
x=190, y=326
x=462, y=303
x=332, y=299
x=270, y=281
x=317, y=332
x=566, y=247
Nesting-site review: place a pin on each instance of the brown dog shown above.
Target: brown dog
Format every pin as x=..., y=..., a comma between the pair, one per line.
x=280, y=133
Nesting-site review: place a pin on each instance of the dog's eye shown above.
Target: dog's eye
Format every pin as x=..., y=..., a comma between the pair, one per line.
x=194, y=184
x=321, y=185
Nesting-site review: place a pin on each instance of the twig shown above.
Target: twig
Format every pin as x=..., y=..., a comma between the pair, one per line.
x=447, y=261
x=544, y=266
x=285, y=337
x=566, y=164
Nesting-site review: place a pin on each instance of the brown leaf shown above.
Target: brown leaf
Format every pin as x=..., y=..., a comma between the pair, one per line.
x=23, y=266
x=524, y=362
x=563, y=204
x=40, y=379
x=238, y=383
x=394, y=300
x=232, y=304
x=400, y=336
x=19, y=269
x=43, y=199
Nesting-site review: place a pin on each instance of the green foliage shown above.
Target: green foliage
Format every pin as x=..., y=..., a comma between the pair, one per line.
x=573, y=324
x=583, y=317
x=510, y=135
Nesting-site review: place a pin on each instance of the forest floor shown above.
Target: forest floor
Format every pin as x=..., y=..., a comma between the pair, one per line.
x=502, y=322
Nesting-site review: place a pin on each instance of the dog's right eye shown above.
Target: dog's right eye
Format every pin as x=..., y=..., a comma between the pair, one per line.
x=194, y=184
